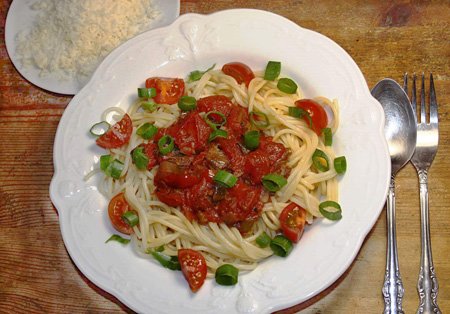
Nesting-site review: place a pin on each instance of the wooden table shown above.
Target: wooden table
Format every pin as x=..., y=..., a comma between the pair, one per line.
x=384, y=38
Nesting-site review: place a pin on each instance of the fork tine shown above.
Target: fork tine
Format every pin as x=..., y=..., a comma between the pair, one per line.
x=405, y=83
x=413, y=96
x=433, y=102
x=422, y=101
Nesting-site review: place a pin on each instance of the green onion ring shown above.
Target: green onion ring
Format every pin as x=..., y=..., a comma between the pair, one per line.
x=144, y=92
x=118, y=238
x=99, y=128
x=217, y=133
x=335, y=214
x=166, y=144
x=251, y=139
x=281, y=245
x=286, y=85
x=214, y=125
x=225, y=179
x=263, y=240
x=340, y=164
x=227, y=275
x=187, y=103
x=273, y=69
x=320, y=161
x=273, y=182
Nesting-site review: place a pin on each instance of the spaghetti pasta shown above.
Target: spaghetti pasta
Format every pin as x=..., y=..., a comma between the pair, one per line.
x=167, y=226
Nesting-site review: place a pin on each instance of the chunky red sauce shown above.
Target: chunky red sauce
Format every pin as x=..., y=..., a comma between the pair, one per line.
x=185, y=176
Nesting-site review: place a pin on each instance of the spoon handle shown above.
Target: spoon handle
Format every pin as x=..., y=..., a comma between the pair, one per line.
x=427, y=285
x=393, y=287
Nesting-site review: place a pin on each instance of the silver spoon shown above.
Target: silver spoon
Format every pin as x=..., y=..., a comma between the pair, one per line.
x=401, y=131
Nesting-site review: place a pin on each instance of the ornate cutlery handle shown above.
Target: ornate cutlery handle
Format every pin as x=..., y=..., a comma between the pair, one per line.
x=427, y=285
x=393, y=287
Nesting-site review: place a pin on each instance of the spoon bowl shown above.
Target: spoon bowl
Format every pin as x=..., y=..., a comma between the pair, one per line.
x=400, y=131
x=400, y=127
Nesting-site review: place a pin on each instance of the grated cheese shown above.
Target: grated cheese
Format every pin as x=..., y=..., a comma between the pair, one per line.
x=71, y=38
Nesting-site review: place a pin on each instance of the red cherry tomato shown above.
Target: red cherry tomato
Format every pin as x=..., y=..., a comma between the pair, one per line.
x=116, y=208
x=193, y=266
x=318, y=115
x=239, y=71
x=168, y=90
x=118, y=135
x=292, y=221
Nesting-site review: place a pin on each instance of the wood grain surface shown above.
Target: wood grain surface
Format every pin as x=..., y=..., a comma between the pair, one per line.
x=385, y=38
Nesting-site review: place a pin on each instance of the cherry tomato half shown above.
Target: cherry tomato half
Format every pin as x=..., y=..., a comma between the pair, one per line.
x=316, y=112
x=116, y=208
x=168, y=90
x=239, y=71
x=118, y=135
x=292, y=221
x=193, y=266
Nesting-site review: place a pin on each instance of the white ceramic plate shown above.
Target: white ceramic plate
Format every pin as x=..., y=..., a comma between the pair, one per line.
x=192, y=42
x=21, y=17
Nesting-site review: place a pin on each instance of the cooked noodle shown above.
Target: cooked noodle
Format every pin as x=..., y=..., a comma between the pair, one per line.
x=160, y=224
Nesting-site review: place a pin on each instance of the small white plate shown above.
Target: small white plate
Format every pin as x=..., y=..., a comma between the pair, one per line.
x=195, y=42
x=21, y=17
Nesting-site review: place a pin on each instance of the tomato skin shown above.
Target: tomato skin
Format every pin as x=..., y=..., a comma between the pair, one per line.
x=151, y=150
x=316, y=112
x=193, y=266
x=239, y=71
x=116, y=208
x=292, y=221
x=118, y=135
x=172, y=175
x=219, y=103
x=168, y=90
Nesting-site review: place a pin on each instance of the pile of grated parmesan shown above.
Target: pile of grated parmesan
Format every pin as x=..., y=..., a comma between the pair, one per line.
x=70, y=38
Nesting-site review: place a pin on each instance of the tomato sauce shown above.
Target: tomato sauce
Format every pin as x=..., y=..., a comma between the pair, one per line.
x=185, y=176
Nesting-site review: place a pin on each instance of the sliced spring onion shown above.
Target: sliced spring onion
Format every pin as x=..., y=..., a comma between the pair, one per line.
x=140, y=159
x=105, y=160
x=147, y=130
x=144, y=92
x=281, y=245
x=259, y=120
x=273, y=182
x=273, y=69
x=197, y=75
x=217, y=133
x=100, y=128
x=149, y=106
x=340, y=164
x=330, y=210
x=118, y=238
x=297, y=112
x=187, y=103
x=320, y=161
x=263, y=240
x=251, y=139
x=286, y=85
x=167, y=261
x=215, y=119
x=131, y=218
x=224, y=178
x=227, y=275
x=110, y=166
x=328, y=137
x=166, y=144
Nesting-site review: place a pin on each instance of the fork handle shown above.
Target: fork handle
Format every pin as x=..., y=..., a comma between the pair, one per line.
x=393, y=287
x=427, y=285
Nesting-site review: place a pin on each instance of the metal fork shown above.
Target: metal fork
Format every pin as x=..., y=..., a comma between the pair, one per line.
x=426, y=147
